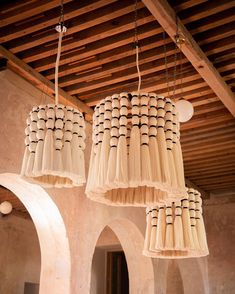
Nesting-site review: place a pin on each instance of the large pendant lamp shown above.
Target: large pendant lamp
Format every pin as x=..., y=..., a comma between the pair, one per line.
x=176, y=230
x=136, y=158
x=55, y=140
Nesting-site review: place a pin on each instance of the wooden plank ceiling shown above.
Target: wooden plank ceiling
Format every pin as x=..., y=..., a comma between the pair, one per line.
x=98, y=59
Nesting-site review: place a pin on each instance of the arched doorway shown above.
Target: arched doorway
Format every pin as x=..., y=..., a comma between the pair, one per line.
x=54, y=246
x=140, y=268
x=109, y=273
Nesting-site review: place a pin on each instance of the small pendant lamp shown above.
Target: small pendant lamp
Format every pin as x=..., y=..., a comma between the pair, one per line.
x=136, y=158
x=176, y=230
x=55, y=140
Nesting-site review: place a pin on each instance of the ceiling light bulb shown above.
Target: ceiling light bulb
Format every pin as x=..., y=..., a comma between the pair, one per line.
x=5, y=207
x=185, y=110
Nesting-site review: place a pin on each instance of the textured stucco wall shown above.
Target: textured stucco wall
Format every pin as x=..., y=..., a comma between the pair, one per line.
x=85, y=220
x=19, y=254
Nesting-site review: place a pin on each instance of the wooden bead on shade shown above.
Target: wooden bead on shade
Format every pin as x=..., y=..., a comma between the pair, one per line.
x=54, y=147
x=130, y=162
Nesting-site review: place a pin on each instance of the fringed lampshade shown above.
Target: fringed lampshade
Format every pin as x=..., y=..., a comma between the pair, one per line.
x=54, y=152
x=136, y=158
x=176, y=230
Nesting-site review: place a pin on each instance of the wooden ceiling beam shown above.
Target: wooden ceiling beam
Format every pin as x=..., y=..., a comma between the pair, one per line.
x=43, y=83
x=166, y=16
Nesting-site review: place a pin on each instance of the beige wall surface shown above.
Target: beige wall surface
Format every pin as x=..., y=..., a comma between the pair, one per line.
x=19, y=254
x=84, y=220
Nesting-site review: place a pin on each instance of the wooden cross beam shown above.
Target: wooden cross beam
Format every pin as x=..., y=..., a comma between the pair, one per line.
x=166, y=17
x=43, y=83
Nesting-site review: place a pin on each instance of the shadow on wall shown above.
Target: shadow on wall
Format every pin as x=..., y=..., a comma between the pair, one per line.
x=140, y=268
x=54, y=246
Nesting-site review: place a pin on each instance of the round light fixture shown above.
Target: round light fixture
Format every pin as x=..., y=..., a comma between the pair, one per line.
x=5, y=207
x=185, y=110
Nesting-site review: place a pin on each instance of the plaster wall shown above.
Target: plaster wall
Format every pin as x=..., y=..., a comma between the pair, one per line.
x=19, y=254
x=85, y=220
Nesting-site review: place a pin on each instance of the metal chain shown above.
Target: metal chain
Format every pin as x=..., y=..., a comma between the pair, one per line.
x=136, y=44
x=174, y=72
x=181, y=73
x=61, y=19
x=136, y=41
x=166, y=65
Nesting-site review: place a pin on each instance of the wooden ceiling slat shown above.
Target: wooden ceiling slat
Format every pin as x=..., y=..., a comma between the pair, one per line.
x=98, y=32
x=115, y=54
x=210, y=154
x=50, y=17
x=211, y=21
x=92, y=100
x=103, y=16
x=40, y=63
x=121, y=75
x=216, y=133
x=210, y=174
x=208, y=107
x=121, y=64
x=208, y=129
x=215, y=146
x=198, y=172
x=205, y=120
x=187, y=4
x=216, y=166
x=109, y=49
x=127, y=62
x=212, y=35
x=27, y=10
x=205, y=9
x=211, y=158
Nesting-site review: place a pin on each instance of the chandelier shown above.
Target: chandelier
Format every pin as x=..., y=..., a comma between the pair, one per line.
x=54, y=143
x=176, y=230
x=136, y=158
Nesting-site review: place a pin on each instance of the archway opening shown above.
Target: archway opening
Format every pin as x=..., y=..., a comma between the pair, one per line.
x=109, y=274
x=130, y=240
x=54, y=246
x=19, y=247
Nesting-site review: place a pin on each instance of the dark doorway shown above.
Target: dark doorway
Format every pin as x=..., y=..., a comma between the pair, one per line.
x=117, y=273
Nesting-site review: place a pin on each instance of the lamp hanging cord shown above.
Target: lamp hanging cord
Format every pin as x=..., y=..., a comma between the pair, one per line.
x=57, y=65
x=136, y=42
x=137, y=66
x=61, y=29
